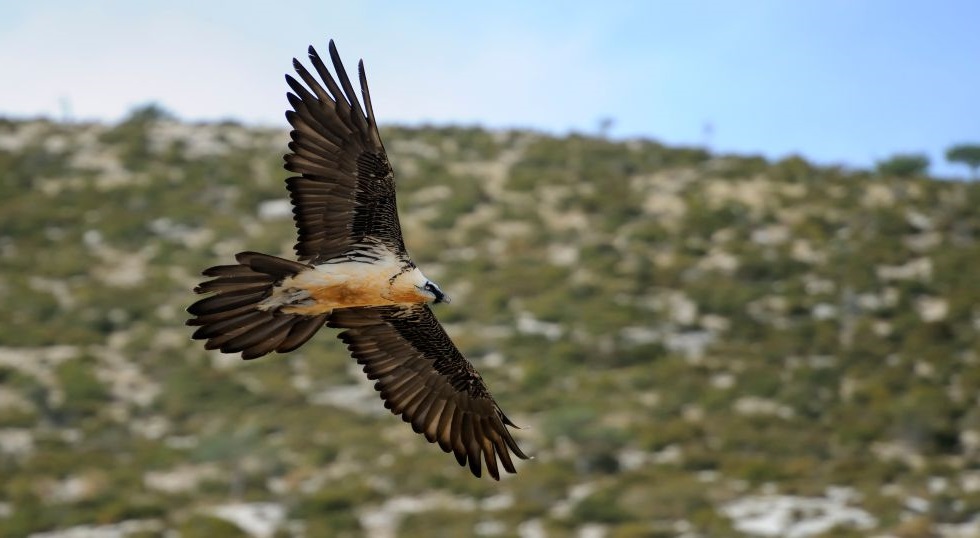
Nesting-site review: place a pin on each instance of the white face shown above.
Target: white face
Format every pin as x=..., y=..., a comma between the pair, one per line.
x=428, y=288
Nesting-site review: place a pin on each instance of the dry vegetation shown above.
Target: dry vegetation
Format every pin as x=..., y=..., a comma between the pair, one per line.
x=684, y=334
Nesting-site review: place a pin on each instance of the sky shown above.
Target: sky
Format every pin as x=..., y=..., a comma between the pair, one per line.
x=845, y=82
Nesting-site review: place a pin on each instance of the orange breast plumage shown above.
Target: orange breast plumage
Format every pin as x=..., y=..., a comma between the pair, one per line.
x=344, y=285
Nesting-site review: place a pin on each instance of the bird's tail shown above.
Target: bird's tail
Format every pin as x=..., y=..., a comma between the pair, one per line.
x=230, y=318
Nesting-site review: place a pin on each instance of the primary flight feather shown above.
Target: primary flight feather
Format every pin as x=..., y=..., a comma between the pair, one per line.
x=354, y=273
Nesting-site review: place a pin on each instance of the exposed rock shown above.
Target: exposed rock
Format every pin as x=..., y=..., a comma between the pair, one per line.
x=123, y=529
x=16, y=442
x=917, y=269
x=932, y=309
x=751, y=405
x=796, y=517
x=257, y=519
x=181, y=479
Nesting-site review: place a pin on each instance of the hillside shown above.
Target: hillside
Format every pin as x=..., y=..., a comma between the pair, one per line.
x=695, y=345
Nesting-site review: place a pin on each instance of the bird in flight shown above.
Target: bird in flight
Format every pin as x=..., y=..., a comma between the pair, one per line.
x=353, y=273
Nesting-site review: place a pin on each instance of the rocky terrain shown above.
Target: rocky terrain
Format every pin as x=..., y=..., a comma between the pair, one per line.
x=694, y=344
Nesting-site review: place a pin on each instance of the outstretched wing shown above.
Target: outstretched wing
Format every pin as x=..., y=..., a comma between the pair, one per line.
x=425, y=379
x=344, y=196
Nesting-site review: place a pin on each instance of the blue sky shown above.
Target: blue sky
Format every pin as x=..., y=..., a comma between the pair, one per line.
x=838, y=81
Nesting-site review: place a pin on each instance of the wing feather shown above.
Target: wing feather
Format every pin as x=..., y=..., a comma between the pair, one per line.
x=423, y=378
x=418, y=411
x=357, y=114
x=430, y=421
x=444, y=429
x=472, y=444
x=344, y=193
x=301, y=332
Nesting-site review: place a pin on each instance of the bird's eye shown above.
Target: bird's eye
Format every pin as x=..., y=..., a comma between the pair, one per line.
x=429, y=286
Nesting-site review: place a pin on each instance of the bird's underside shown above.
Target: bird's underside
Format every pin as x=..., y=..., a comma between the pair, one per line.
x=343, y=283
x=354, y=274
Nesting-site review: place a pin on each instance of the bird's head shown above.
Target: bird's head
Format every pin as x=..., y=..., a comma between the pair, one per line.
x=429, y=290
x=432, y=292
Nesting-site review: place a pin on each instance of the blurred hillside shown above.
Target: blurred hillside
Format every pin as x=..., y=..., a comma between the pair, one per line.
x=697, y=345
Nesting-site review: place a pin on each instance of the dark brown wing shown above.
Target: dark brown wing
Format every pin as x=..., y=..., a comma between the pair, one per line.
x=344, y=196
x=425, y=379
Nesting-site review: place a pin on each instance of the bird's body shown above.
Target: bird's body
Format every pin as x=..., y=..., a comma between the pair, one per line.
x=345, y=284
x=353, y=272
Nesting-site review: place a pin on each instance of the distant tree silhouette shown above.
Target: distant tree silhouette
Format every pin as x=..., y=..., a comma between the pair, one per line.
x=132, y=134
x=148, y=113
x=968, y=154
x=904, y=165
x=605, y=125
x=707, y=132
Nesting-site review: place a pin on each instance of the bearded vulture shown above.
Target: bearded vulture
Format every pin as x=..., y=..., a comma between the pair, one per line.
x=353, y=273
